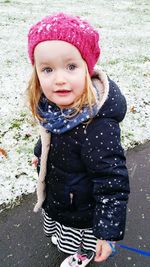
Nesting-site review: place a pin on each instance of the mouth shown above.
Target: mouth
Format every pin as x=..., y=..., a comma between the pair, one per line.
x=63, y=92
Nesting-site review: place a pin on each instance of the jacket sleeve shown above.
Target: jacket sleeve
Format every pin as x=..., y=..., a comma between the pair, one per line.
x=38, y=148
x=37, y=153
x=105, y=162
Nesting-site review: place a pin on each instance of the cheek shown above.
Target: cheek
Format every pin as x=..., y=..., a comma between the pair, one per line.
x=79, y=83
x=45, y=85
x=80, y=87
x=41, y=80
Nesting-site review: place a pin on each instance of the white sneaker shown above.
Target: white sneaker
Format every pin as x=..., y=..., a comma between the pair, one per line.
x=79, y=259
x=54, y=240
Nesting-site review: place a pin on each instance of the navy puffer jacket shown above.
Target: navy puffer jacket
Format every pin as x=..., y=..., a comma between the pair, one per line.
x=87, y=180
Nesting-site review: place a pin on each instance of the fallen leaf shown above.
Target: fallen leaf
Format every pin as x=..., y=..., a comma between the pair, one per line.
x=133, y=109
x=3, y=152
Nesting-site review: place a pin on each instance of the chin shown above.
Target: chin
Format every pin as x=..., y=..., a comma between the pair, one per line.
x=64, y=105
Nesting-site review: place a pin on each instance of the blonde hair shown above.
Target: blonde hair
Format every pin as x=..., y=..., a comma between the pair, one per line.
x=34, y=93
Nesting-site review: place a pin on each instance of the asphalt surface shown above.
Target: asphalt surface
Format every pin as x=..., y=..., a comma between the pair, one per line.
x=23, y=244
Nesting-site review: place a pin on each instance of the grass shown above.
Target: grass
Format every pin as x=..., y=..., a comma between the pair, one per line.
x=7, y=1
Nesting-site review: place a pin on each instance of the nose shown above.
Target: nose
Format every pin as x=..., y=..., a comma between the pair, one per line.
x=60, y=78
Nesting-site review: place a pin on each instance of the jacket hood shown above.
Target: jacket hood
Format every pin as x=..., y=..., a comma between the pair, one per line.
x=112, y=103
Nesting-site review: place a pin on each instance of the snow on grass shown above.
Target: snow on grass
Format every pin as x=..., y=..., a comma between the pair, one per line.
x=125, y=56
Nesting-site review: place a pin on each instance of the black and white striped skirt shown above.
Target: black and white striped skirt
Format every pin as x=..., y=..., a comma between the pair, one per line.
x=69, y=239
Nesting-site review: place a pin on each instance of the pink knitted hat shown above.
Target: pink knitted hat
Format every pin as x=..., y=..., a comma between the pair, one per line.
x=70, y=29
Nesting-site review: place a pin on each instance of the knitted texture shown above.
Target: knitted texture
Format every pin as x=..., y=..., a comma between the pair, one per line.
x=71, y=29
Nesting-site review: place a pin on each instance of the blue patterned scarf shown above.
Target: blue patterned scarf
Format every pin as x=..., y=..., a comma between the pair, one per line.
x=58, y=120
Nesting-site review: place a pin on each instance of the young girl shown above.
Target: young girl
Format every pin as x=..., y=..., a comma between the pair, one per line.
x=83, y=182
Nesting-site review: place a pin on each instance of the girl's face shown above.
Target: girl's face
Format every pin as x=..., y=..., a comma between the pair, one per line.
x=61, y=72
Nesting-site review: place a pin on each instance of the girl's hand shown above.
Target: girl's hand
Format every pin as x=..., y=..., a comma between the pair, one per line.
x=35, y=161
x=103, y=250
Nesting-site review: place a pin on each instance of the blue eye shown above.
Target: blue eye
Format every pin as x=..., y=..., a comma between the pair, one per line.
x=47, y=70
x=72, y=66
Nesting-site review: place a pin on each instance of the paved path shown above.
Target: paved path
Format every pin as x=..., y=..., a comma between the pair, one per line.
x=23, y=244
